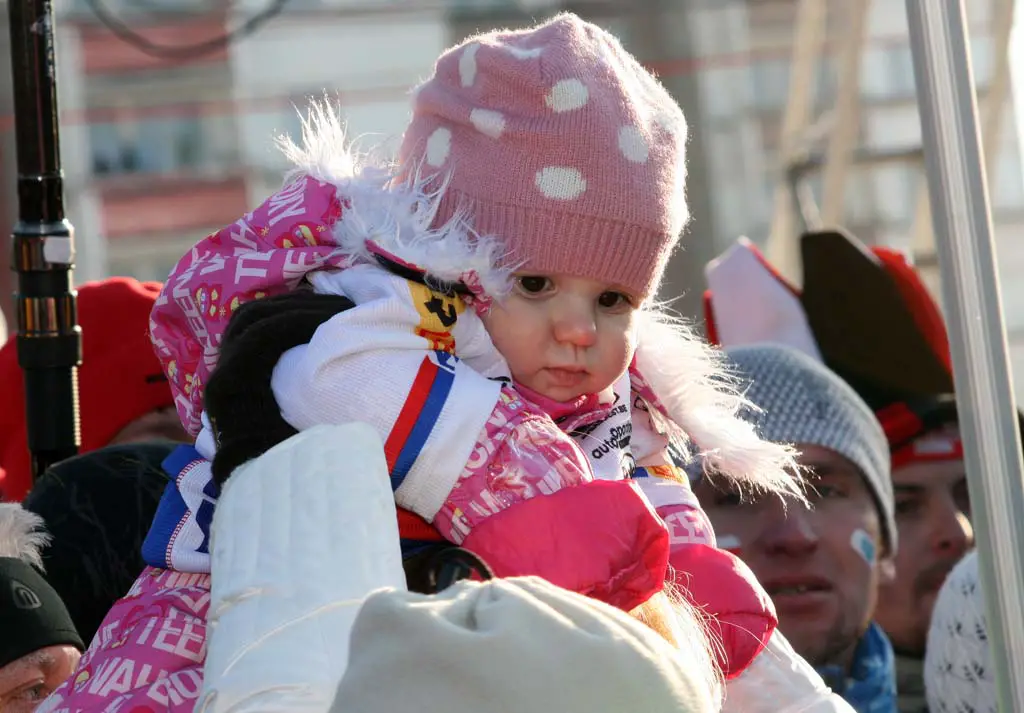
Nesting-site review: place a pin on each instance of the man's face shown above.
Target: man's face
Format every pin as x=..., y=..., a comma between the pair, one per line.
x=933, y=519
x=26, y=682
x=821, y=566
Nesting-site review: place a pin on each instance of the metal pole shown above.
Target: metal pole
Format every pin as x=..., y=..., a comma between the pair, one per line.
x=49, y=339
x=993, y=108
x=966, y=250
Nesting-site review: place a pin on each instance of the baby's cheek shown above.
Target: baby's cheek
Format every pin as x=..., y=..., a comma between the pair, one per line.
x=617, y=345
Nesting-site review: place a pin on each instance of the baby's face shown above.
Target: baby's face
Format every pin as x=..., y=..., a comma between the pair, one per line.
x=564, y=336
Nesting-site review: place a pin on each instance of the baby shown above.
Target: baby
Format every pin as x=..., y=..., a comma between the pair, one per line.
x=533, y=403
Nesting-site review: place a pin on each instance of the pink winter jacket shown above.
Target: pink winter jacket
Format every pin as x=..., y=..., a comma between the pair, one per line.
x=148, y=654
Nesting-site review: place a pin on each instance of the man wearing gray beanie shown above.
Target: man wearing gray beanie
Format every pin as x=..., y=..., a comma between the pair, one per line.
x=821, y=565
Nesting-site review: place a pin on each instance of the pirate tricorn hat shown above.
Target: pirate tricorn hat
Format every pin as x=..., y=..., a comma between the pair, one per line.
x=863, y=311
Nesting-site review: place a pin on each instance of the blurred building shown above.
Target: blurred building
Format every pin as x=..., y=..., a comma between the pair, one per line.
x=159, y=153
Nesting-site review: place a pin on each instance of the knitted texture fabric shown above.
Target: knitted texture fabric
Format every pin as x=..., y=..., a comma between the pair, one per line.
x=802, y=402
x=32, y=615
x=958, y=672
x=556, y=141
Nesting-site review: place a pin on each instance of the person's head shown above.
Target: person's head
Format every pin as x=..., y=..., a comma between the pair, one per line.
x=39, y=647
x=933, y=515
x=98, y=508
x=821, y=565
x=958, y=671
x=123, y=395
x=471, y=647
x=868, y=315
x=559, y=145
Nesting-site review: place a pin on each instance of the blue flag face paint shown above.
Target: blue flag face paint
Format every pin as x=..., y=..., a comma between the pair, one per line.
x=864, y=545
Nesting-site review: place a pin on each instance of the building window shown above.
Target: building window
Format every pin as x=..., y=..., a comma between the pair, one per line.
x=887, y=72
x=259, y=129
x=770, y=78
x=163, y=145
x=896, y=193
x=891, y=127
x=827, y=79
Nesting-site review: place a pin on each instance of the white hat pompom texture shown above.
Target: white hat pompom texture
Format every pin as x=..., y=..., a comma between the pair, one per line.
x=958, y=672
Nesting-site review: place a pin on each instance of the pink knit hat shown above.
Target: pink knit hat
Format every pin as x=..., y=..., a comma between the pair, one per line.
x=557, y=142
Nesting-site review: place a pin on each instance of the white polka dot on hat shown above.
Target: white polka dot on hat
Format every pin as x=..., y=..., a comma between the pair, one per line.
x=958, y=673
x=556, y=141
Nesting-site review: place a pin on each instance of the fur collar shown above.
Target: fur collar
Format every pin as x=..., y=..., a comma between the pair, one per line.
x=704, y=400
x=395, y=216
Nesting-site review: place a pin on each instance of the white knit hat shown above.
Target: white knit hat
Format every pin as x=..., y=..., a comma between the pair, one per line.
x=958, y=673
x=517, y=645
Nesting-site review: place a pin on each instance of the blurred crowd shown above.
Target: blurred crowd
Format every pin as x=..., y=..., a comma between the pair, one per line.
x=418, y=437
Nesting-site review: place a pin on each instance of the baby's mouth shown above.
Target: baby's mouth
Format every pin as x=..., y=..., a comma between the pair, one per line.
x=566, y=376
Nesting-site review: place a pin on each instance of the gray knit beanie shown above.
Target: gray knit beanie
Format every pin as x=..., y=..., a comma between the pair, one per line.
x=804, y=402
x=517, y=645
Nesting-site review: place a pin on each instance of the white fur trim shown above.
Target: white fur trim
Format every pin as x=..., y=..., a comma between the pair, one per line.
x=395, y=215
x=700, y=397
x=22, y=534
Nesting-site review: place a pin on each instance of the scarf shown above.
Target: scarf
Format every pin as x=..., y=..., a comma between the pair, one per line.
x=910, y=684
x=608, y=430
x=870, y=686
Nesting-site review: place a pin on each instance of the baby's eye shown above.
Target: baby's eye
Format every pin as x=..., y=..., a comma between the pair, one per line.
x=612, y=300
x=533, y=284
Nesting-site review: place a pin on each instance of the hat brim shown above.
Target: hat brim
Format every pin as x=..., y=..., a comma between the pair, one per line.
x=866, y=331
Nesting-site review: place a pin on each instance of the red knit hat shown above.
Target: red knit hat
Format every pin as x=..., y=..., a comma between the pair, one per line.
x=120, y=378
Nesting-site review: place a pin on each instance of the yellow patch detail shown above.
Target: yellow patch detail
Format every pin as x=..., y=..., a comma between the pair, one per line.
x=438, y=314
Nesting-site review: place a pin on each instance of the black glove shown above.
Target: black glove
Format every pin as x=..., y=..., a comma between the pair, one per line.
x=438, y=567
x=239, y=402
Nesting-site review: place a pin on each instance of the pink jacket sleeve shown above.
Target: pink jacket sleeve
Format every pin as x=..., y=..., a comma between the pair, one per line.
x=528, y=504
x=519, y=454
x=714, y=580
x=266, y=252
x=148, y=654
